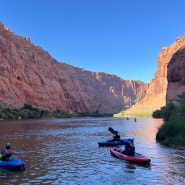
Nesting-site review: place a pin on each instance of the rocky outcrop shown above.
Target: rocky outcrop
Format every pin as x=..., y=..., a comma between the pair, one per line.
x=169, y=80
x=176, y=71
x=28, y=74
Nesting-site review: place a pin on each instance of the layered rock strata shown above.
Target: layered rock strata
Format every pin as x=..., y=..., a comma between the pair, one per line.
x=169, y=80
x=30, y=75
x=176, y=71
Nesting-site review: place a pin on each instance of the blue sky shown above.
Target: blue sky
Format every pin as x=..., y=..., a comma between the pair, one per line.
x=120, y=37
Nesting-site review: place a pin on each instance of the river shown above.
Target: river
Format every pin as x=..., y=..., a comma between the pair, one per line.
x=66, y=151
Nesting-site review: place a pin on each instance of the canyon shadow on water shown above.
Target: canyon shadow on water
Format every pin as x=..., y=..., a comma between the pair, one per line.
x=65, y=151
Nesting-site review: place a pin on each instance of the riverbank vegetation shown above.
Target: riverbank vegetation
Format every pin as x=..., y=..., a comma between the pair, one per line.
x=172, y=132
x=138, y=114
x=30, y=112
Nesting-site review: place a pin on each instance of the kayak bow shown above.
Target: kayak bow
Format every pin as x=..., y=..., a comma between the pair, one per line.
x=13, y=163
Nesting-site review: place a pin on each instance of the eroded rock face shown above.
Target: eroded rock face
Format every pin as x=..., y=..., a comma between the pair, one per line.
x=28, y=74
x=176, y=71
x=169, y=80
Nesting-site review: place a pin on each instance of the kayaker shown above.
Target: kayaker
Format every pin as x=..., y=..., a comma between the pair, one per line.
x=6, y=152
x=116, y=136
x=129, y=147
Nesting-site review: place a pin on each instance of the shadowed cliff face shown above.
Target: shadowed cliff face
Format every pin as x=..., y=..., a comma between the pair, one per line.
x=28, y=74
x=176, y=73
x=169, y=79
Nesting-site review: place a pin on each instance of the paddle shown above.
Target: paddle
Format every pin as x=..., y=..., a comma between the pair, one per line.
x=111, y=130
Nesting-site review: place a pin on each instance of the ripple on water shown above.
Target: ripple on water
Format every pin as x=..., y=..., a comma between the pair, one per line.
x=65, y=151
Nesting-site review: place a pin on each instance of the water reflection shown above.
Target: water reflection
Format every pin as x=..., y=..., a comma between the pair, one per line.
x=65, y=151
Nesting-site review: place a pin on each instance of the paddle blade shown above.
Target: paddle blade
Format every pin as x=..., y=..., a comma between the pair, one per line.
x=111, y=130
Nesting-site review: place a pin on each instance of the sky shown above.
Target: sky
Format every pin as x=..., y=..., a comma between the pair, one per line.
x=119, y=37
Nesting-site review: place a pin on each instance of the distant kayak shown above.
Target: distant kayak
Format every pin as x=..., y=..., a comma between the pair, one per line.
x=136, y=158
x=111, y=143
x=13, y=163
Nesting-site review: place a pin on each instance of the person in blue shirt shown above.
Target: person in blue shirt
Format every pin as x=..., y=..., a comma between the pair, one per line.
x=129, y=147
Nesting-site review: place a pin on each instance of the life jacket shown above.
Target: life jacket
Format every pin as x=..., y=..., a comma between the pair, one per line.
x=8, y=152
x=131, y=145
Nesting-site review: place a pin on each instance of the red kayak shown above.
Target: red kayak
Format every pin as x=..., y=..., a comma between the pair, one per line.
x=136, y=158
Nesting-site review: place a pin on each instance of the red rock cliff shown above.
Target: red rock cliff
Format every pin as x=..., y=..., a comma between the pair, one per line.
x=169, y=79
x=176, y=71
x=28, y=74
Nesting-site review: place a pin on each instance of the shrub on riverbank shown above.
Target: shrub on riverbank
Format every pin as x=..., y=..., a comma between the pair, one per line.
x=172, y=132
x=166, y=112
x=30, y=112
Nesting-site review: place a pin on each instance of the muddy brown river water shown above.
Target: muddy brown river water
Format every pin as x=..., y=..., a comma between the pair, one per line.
x=65, y=151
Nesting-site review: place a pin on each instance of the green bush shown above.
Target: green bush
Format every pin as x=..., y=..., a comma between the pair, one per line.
x=30, y=112
x=172, y=132
x=165, y=112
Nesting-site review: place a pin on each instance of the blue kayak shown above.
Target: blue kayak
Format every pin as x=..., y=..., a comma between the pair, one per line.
x=13, y=163
x=111, y=143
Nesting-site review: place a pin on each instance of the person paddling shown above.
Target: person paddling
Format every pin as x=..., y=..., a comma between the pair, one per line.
x=129, y=147
x=116, y=136
x=6, y=152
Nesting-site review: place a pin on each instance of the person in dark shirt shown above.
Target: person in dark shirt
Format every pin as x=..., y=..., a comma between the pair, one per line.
x=6, y=152
x=129, y=147
x=116, y=136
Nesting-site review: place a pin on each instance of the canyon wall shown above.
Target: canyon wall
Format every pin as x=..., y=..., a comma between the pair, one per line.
x=176, y=71
x=30, y=75
x=168, y=82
